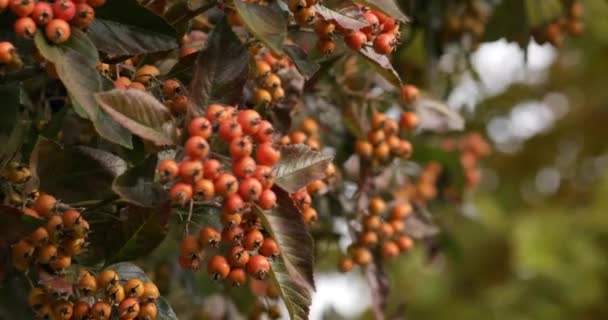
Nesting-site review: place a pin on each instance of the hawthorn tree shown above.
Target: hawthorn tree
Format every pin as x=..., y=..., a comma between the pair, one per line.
x=234, y=135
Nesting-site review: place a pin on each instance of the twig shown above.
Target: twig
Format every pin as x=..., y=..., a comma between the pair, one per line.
x=189, y=219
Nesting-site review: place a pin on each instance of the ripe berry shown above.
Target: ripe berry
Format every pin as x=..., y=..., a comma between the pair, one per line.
x=146, y=73
x=404, y=149
x=230, y=220
x=401, y=211
x=73, y=246
x=302, y=199
x=22, y=253
x=376, y=206
x=54, y=226
x=147, y=311
x=409, y=120
x=134, y=288
x=128, y=309
x=233, y=236
x=190, y=247
x=87, y=284
x=218, y=267
x=180, y=104
x=324, y=29
x=45, y=205
x=362, y=256
x=22, y=8
x=197, y=148
x=84, y=15
x=241, y=147
x=371, y=222
x=151, y=293
x=355, y=40
x=238, y=256
x=368, y=238
x=346, y=264
x=204, y=190
x=216, y=113
x=168, y=170
x=42, y=13
x=191, y=170
x=63, y=310
x=310, y=215
x=172, y=87
x=7, y=52
x=389, y=250
x=46, y=254
x=296, y=5
x=267, y=155
x=364, y=149
x=385, y=43
x=404, y=243
x=244, y=167
x=262, y=68
x=250, y=119
x=61, y=262
x=304, y=16
x=209, y=236
x=298, y=137
x=386, y=230
x=258, y=267
x=326, y=46
x=262, y=96
x=265, y=175
x=212, y=168
x=39, y=237
x=237, y=277
x=96, y=3
x=114, y=293
x=107, y=278
x=250, y=189
x=226, y=184
x=200, y=127
x=81, y=310
x=58, y=31
x=181, y=193
x=71, y=218
x=267, y=200
x=376, y=137
x=3, y=4
x=234, y=204
x=100, y=310
x=270, y=248
x=230, y=129
x=253, y=239
x=64, y=10
x=265, y=132
x=278, y=94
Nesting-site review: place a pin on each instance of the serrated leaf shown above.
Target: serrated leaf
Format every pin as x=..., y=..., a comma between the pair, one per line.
x=137, y=185
x=221, y=70
x=75, y=173
x=75, y=62
x=382, y=64
x=436, y=116
x=340, y=18
x=301, y=59
x=118, y=39
x=130, y=13
x=140, y=113
x=292, y=271
x=267, y=23
x=388, y=7
x=299, y=166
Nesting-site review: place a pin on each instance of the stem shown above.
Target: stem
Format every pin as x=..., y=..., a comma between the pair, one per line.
x=189, y=219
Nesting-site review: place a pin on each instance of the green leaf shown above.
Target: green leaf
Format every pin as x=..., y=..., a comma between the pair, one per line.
x=509, y=20
x=12, y=128
x=221, y=70
x=300, y=58
x=76, y=62
x=119, y=39
x=267, y=23
x=382, y=64
x=340, y=18
x=15, y=225
x=75, y=174
x=388, y=7
x=139, y=112
x=137, y=185
x=292, y=271
x=436, y=116
x=299, y=166
x=129, y=12
x=541, y=12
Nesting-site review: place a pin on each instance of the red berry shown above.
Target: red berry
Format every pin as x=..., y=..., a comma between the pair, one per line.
x=250, y=189
x=212, y=168
x=190, y=170
x=84, y=15
x=238, y=256
x=233, y=236
x=22, y=8
x=58, y=31
x=258, y=267
x=200, y=127
x=265, y=175
x=25, y=27
x=253, y=239
x=234, y=204
x=209, y=236
x=267, y=200
x=409, y=94
x=64, y=10
x=265, y=132
x=267, y=155
x=302, y=199
x=373, y=21
x=218, y=267
x=42, y=14
x=226, y=184
x=244, y=167
x=3, y=4
x=230, y=220
x=197, y=147
x=385, y=43
x=241, y=147
x=96, y=3
x=237, y=277
x=230, y=129
x=168, y=170
x=216, y=113
x=204, y=190
x=355, y=40
x=7, y=52
x=181, y=193
x=270, y=248
x=249, y=121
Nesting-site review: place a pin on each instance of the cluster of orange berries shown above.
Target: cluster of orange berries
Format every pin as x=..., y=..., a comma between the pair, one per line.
x=466, y=19
x=308, y=134
x=424, y=189
x=383, y=142
x=53, y=245
x=571, y=22
x=16, y=175
x=303, y=11
x=382, y=33
x=382, y=234
x=98, y=298
x=472, y=147
x=248, y=182
x=269, y=86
